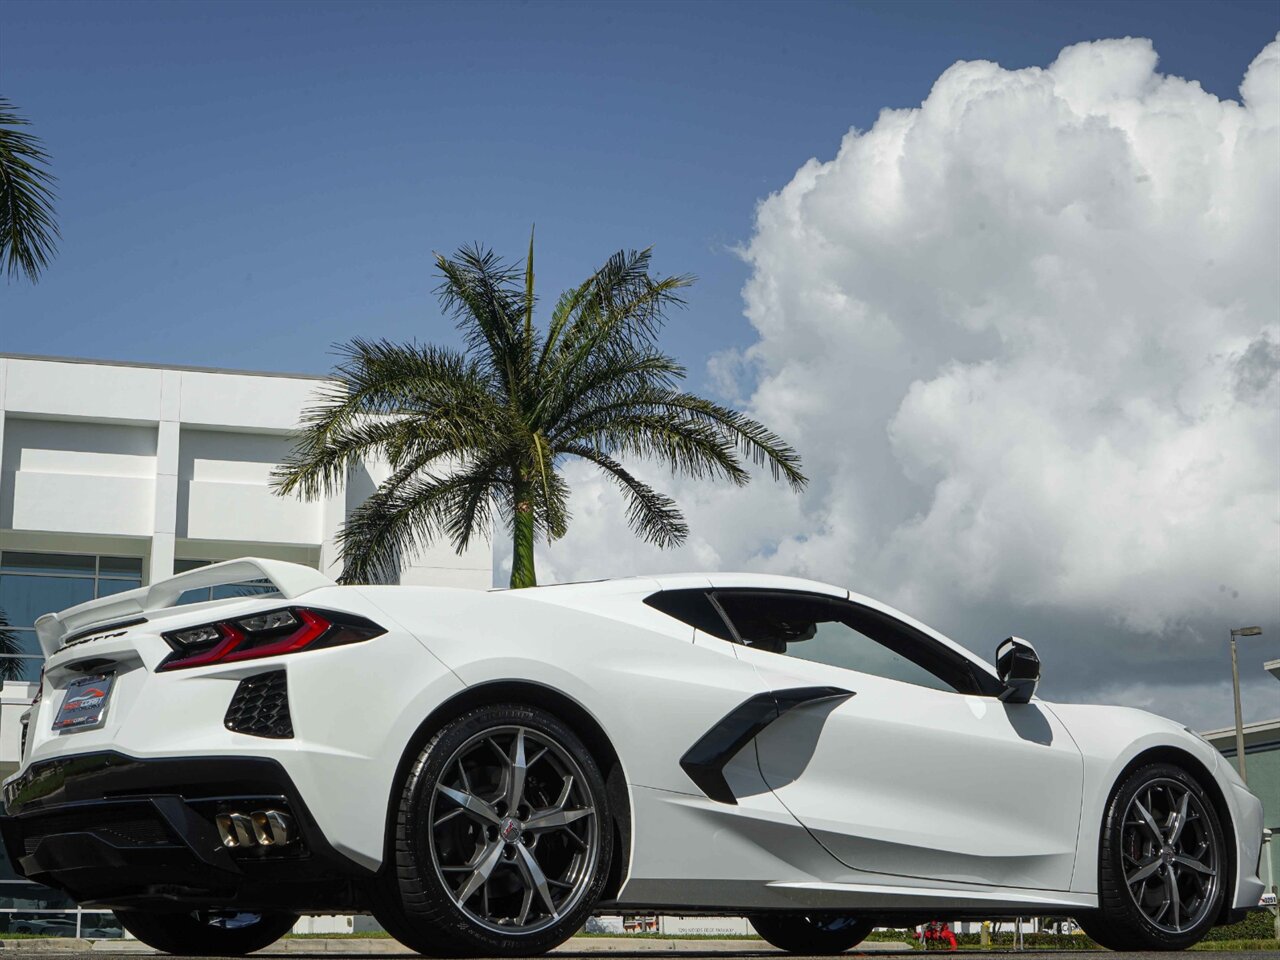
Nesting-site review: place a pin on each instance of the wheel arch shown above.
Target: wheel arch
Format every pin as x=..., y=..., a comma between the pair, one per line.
x=1205, y=778
x=584, y=724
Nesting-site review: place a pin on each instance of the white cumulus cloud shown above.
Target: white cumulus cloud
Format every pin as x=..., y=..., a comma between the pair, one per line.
x=1027, y=337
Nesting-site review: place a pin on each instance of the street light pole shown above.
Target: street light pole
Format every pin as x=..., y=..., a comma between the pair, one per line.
x=1235, y=686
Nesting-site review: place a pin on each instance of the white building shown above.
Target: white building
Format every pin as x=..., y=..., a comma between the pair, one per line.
x=114, y=475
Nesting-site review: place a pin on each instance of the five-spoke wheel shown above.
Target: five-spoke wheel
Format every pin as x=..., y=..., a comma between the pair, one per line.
x=514, y=836
x=503, y=839
x=1160, y=865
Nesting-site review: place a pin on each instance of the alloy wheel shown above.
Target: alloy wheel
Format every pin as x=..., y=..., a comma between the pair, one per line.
x=1171, y=856
x=514, y=835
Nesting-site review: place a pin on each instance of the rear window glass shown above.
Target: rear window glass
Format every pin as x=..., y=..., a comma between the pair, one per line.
x=693, y=607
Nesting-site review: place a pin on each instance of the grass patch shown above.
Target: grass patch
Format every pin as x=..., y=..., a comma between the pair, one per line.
x=366, y=935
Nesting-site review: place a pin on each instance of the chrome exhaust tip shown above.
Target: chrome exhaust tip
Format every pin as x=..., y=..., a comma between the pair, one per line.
x=235, y=830
x=225, y=831
x=272, y=828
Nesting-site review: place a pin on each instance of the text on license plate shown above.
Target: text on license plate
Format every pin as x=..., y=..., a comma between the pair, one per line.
x=85, y=703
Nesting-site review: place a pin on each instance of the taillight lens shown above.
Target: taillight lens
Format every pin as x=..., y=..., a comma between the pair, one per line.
x=267, y=634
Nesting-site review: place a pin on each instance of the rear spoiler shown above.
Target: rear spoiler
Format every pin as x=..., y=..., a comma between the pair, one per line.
x=290, y=580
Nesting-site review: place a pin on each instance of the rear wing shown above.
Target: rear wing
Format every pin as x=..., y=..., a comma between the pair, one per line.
x=289, y=579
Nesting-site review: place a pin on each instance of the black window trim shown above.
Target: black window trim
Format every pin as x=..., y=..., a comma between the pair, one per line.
x=986, y=684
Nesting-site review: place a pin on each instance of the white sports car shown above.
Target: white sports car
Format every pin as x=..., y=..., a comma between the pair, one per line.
x=483, y=771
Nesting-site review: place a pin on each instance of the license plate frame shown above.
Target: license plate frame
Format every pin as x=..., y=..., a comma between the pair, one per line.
x=84, y=703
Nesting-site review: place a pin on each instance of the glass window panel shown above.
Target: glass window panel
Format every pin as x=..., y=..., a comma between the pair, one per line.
x=199, y=595
x=21, y=669
x=13, y=642
x=99, y=925
x=24, y=895
x=120, y=567
x=19, y=893
x=44, y=924
x=816, y=629
x=182, y=566
x=251, y=588
x=11, y=561
x=108, y=587
x=23, y=599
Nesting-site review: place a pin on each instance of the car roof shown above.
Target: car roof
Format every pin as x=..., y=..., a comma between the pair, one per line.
x=693, y=581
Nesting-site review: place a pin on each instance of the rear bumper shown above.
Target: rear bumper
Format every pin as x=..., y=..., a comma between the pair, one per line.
x=113, y=830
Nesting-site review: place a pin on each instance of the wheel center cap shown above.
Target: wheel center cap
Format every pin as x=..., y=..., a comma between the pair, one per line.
x=1166, y=853
x=510, y=829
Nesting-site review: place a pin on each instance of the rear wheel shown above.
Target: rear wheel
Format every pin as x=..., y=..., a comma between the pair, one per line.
x=811, y=934
x=502, y=840
x=206, y=932
x=1162, y=863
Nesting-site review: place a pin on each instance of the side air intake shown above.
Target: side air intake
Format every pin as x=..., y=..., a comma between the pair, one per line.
x=260, y=707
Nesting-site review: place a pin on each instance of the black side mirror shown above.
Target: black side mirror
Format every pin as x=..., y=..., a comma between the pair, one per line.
x=1018, y=667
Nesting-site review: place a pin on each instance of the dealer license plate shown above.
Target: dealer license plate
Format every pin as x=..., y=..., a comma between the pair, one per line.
x=84, y=704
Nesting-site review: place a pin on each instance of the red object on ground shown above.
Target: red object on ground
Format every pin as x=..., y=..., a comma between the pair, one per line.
x=938, y=931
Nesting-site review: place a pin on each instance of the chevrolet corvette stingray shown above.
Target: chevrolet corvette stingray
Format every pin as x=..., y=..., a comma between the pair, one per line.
x=484, y=770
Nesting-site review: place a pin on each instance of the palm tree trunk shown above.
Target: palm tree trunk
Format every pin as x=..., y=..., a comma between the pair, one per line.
x=522, y=570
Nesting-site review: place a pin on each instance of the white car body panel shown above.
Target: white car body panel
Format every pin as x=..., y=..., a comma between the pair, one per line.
x=904, y=761
x=911, y=797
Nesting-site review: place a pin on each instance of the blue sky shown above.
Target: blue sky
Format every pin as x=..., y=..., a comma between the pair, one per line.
x=241, y=184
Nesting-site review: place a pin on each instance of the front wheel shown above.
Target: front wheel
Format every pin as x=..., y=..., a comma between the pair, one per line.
x=1162, y=863
x=813, y=935
x=502, y=838
x=207, y=933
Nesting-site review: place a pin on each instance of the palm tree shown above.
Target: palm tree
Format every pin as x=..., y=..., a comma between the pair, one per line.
x=28, y=232
x=11, y=668
x=486, y=428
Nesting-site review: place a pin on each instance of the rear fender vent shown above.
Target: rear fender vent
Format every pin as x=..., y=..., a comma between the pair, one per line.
x=260, y=707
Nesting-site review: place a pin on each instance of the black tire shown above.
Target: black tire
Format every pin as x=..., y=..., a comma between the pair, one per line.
x=1130, y=914
x=435, y=836
x=815, y=935
x=207, y=933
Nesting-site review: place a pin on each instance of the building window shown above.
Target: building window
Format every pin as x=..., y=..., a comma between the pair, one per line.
x=33, y=584
x=225, y=591
x=29, y=908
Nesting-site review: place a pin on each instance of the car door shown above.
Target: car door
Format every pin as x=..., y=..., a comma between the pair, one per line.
x=920, y=771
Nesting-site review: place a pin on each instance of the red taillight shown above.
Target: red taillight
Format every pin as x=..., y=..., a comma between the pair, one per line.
x=265, y=634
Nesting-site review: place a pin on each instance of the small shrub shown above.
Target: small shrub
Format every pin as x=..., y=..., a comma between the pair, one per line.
x=1258, y=925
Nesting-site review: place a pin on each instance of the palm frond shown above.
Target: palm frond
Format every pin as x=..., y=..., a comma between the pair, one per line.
x=482, y=294
x=620, y=303
x=11, y=668
x=28, y=231
x=669, y=423
x=684, y=445
x=653, y=516
x=607, y=376
x=391, y=401
x=408, y=510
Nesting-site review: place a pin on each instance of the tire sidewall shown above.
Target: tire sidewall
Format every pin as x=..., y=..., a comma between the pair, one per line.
x=1118, y=906
x=796, y=933
x=185, y=934
x=419, y=789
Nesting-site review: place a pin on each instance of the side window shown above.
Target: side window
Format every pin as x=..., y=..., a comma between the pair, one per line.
x=693, y=607
x=846, y=635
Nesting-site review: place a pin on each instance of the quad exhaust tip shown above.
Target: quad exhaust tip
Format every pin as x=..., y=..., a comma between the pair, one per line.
x=261, y=828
